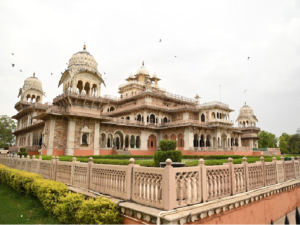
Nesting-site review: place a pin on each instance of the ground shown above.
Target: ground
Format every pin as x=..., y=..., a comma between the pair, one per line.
x=20, y=209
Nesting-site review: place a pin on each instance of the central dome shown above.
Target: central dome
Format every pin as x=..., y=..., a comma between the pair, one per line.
x=246, y=111
x=83, y=59
x=143, y=70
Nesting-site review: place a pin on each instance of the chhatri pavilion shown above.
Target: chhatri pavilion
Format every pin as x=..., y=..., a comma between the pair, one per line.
x=80, y=121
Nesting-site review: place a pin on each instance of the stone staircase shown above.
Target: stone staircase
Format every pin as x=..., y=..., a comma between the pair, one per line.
x=122, y=152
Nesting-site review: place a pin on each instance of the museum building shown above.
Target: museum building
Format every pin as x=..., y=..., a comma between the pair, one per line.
x=82, y=122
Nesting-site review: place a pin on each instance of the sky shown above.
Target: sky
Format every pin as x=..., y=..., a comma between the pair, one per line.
x=211, y=40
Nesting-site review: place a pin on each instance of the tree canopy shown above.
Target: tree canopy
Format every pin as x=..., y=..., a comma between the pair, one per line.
x=7, y=126
x=290, y=143
x=267, y=140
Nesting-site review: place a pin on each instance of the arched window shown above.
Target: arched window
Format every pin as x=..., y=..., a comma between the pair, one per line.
x=213, y=115
x=166, y=137
x=138, y=142
x=152, y=118
x=196, y=140
x=180, y=143
x=202, y=118
x=112, y=109
x=152, y=142
x=127, y=118
x=165, y=120
x=84, y=139
x=139, y=117
x=218, y=115
x=173, y=137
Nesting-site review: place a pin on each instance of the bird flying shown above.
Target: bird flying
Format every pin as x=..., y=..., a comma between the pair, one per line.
x=159, y=40
x=104, y=72
x=13, y=65
x=245, y=91
x=248, y=58
x=51, y=74
x=12, y=53
x=20, y=70
x=175, y=56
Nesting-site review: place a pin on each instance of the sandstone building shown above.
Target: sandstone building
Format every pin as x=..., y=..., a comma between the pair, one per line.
x=82, y=122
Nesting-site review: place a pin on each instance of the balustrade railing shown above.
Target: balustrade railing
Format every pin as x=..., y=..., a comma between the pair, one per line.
x=164, y=188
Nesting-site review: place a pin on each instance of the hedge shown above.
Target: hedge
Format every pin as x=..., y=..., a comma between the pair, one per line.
x=58, y=201
x=162, y=156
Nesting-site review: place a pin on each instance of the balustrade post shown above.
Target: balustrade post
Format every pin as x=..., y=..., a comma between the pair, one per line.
x=32, y=160
x=129, y=179
x=168, y=189
x=89, y=173
x=231, y=174
x=22, y=159
x=293, y=160
x=39, y=164
x=52, y=171
x=245, y=163
x=26, y=160
x=202, y=169
x=283, y=167
x=275, y=164
x=298, y=158
x=262, y=160
x=73, y=169
x=15, y=161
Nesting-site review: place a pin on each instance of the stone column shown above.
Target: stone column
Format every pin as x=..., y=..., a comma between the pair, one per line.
x=98, y=90
x=51, y=137
x=204, y=143
x=240, y=141
x=145, y=117
x=70, y=138
x=96, y=139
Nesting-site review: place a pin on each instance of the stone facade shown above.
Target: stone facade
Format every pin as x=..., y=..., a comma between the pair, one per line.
x=81, y=121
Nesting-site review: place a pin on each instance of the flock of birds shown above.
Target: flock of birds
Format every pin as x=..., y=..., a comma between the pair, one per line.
x=13, y=65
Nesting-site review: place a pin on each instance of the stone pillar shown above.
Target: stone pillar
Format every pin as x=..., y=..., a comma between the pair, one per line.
x=98, y=90
x=199, y=142
x=205, y=143
x=145, y=117
x=123, y=143
x=70, y=138
x=51, y=137
x=240, y=141
x=96, y=139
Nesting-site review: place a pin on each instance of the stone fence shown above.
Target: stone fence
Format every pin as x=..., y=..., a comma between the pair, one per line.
x=163, y=188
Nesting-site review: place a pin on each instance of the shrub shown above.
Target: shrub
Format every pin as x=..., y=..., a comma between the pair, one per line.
x=48, y=192
x=23, y=153
x=99, y=211
x=167, y=145
x=67, y=207
x=22, y=149
x=162, y=156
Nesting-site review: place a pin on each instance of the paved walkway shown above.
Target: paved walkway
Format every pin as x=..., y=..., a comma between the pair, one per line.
x=291, y=217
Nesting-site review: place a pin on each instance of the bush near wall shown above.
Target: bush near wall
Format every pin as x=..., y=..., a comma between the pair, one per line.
x=58, y=201
x=167, y=145
x=22, y=149
x=23, y=153
x=162, y=156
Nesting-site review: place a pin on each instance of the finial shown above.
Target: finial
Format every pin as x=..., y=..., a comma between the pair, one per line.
x=197, y=97
x=245, y=103
x=84, y=47
x=143, y=63
x=33, y=74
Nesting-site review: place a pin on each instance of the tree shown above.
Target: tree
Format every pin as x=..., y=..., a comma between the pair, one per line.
x=267, y=140
x=284, y=140
x=298, y=131
x=294, y=144
x=7, y=126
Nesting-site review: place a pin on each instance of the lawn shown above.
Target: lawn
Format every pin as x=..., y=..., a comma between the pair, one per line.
x=21, y=209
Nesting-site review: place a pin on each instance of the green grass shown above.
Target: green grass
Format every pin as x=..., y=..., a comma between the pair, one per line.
x=19, y=209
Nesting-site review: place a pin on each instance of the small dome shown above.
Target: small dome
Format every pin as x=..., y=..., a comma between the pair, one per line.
x=154, y=75
x=130, y=75
x=33, y=82
x=247, y=111
x=143, y=70
x=83, y=59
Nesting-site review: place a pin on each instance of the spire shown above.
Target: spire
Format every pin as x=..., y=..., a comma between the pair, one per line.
x=33, y=74
x=84, y=47
x=143, y=63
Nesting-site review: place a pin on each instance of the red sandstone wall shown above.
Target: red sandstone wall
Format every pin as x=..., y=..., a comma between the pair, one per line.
x=215, y=153
x=33, y=153
x=261, y=212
